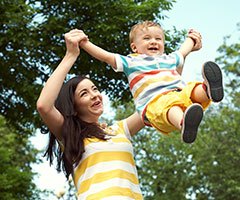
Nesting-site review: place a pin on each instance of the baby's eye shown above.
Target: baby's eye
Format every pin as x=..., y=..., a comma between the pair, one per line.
x=158, y=38
x=146, y=38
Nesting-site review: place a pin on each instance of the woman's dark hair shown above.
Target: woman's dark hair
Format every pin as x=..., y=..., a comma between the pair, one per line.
x=74, y=131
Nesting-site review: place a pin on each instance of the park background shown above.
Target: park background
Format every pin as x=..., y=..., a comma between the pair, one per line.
x=164, y=163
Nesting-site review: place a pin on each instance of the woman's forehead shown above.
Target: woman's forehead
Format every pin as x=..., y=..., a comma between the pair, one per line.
x=85, y=83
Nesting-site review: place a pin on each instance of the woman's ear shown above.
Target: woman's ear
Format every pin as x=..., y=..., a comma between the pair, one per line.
x=133, y=47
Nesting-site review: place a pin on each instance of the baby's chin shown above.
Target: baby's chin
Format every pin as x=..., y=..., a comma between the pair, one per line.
x=154, y=53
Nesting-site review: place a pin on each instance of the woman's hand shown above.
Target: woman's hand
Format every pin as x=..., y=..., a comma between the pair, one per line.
x=73, y=39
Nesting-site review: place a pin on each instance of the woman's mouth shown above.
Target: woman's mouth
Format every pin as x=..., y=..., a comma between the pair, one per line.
x=97, y=104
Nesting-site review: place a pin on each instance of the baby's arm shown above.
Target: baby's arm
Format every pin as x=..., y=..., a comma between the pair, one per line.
x=192, y=43
x=98, y=52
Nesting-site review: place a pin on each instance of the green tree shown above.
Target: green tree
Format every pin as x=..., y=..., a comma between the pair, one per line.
x=217, y=156
x=16, y=156
x=230, y=60
x=219, y=153
x=18, y=62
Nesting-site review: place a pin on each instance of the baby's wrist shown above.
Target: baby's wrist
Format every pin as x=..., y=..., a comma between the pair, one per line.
x=194, y=41
x=83, y=42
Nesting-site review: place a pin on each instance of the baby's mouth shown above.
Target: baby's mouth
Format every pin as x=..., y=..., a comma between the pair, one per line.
x=153, y=49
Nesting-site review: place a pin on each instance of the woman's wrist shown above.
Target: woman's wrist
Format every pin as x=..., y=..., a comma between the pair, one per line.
x=71, y=55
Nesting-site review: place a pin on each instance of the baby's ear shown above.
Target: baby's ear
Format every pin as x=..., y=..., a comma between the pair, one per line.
x=133, y=47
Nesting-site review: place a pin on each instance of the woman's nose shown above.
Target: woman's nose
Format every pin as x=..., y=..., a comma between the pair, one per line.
x=93, y=95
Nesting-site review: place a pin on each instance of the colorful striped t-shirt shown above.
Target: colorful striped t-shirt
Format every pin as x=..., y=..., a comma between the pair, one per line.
x=107, y=169
x=149, y=76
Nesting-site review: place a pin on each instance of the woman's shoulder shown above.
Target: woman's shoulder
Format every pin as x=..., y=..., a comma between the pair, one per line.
x=120, y=128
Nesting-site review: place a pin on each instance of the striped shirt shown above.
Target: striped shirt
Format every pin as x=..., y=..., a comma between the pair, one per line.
x=107, y=169
x=149, y=76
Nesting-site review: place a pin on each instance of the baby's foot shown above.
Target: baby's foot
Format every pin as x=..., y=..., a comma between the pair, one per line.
x=213, y=80
x=191, y=120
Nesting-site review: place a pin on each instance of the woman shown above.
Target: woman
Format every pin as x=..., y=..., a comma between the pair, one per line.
x=99, y=158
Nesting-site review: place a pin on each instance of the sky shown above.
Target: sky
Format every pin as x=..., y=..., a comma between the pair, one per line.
x=214, y=19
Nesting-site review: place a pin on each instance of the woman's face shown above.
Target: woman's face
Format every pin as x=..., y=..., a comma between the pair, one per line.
x=88, y=101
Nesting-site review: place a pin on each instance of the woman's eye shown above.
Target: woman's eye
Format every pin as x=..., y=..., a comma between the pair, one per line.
x=83, y=94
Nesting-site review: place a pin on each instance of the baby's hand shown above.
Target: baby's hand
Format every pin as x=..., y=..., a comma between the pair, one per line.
x=72, y=39
x=84, y=38
x=197, y=38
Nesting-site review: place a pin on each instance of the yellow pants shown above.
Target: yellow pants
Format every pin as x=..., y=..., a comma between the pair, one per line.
x=158, y=108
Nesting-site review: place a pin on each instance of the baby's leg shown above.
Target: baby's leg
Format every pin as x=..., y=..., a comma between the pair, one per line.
x=212, y=87
x=199, y=94
x=188, y=121
x=175, y=116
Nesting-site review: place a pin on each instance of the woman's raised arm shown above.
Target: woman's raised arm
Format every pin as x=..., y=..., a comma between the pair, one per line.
x=45, y=103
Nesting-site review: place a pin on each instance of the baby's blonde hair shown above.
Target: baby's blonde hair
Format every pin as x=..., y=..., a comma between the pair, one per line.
x=140, y=26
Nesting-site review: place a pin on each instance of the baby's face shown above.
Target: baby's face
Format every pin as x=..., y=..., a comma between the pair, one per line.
x=149, y=41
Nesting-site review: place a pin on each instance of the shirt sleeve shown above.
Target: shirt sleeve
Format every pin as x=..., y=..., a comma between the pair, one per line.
x=179, y=58
x=119, y=63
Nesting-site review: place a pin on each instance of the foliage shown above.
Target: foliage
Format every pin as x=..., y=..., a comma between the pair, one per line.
x=230, y=60
x=16, y=156
x=163, y=165
x=18, y=88
x=217, y=154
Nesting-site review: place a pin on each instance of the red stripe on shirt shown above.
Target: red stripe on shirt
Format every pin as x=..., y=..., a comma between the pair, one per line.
x=140, y=76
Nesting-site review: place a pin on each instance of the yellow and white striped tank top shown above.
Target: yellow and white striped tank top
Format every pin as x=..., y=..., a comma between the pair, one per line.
x=107, y=169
